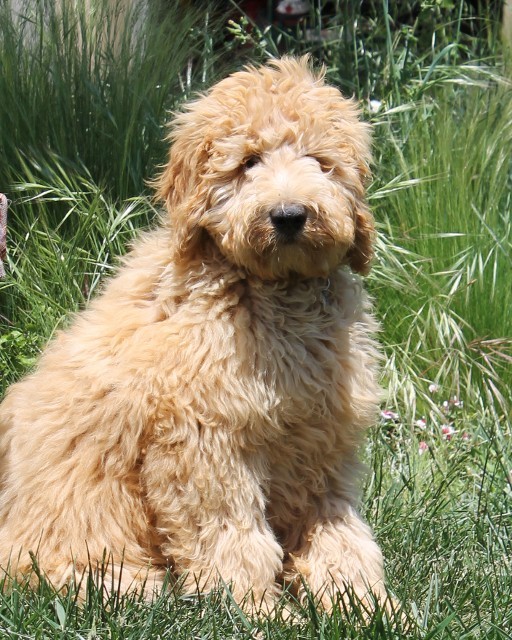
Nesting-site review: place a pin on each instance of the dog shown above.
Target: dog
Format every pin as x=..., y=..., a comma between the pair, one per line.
x=204, y=414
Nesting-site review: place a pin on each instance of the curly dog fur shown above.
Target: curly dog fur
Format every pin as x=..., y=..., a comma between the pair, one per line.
x=204, y=413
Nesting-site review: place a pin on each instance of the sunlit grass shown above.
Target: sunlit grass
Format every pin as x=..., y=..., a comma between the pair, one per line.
x=93, y=82
x=445, y=253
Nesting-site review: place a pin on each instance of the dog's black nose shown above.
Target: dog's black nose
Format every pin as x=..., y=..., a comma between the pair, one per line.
x=289, y=219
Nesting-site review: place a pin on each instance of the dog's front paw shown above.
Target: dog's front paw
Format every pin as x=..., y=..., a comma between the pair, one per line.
x=340, y=562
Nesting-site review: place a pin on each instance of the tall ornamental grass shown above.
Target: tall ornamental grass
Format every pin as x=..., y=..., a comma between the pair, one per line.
x=92, y=83
x=442, y=281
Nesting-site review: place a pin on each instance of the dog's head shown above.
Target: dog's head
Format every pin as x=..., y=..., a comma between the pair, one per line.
x=271, y=166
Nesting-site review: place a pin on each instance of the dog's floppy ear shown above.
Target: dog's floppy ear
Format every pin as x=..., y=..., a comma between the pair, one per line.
x=360, y=255
x=181, y=187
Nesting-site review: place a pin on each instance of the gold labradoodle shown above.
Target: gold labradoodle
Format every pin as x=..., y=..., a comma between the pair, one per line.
x=205, y=412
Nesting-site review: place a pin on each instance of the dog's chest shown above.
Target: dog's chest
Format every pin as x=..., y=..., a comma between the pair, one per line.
x=297, y=335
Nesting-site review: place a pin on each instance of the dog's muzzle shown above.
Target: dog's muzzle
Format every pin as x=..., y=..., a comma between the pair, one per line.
x=288, y=220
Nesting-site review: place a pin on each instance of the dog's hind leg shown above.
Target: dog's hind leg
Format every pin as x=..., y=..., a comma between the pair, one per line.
x=71, y=499
x=73, y=535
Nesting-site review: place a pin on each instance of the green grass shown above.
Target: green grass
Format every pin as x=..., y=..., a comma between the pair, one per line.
x=94, y=88
x=443, y=519
x=452, y=225
x=82, y=109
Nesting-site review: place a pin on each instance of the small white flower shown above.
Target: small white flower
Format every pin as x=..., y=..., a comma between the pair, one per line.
x=375, y=106
x=388, y=415
x=421, y=423
x=433, y=388
x=422, y=447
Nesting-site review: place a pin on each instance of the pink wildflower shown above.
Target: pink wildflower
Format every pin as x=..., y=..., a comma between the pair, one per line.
x=422, y=447
x=388, y=415
x=448, y=431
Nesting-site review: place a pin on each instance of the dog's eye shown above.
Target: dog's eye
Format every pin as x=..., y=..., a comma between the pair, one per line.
x=325, y=166
x=251, y=161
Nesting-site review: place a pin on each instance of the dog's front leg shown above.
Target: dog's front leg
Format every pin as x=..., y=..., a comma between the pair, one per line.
x=340, y=556
x=209, y=507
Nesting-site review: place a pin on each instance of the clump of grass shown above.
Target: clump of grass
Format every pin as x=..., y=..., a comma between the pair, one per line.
x=86, y=89
x=441, y=514
x=92, y=82
x=46, y=612
x=445, y=258
x=390, y=51
x=54, y=268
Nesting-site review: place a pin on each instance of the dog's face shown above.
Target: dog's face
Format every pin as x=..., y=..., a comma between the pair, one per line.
x=271, y=166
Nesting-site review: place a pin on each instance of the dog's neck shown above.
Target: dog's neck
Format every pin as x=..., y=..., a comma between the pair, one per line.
x=210, y=267
x=217, y=278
